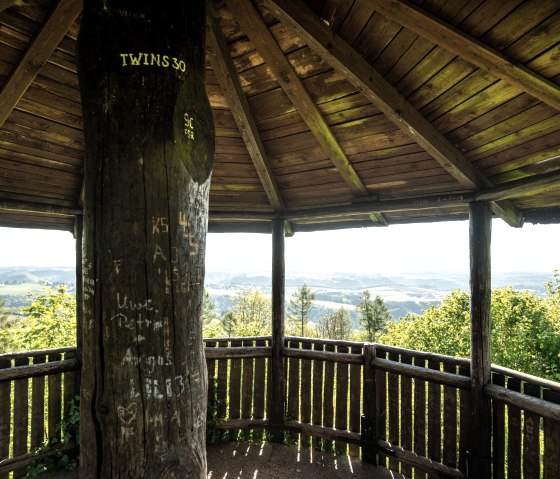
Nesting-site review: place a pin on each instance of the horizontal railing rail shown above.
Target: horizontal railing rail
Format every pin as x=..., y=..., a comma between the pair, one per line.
x=409, y=410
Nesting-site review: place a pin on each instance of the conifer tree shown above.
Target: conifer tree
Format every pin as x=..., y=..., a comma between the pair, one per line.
x=374, y=315
x=300, y=304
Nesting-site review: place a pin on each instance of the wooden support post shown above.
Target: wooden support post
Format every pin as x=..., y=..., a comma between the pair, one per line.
x=278, y=386
x=149, y=147
x=369, y=422
x=480, y=238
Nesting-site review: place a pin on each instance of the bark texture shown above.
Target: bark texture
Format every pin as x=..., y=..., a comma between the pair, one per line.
x=149, y=145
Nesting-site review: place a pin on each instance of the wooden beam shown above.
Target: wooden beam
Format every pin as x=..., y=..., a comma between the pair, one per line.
x=480, y=282
x=226, y=74
x=382, y=206
x=40, y=208
x=530, y=186
x=278, y=381
x=253, y=25
x=44, y=44
x=470, y=49
x=340, y=55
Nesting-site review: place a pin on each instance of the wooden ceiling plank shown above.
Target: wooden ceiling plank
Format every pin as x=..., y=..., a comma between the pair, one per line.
x=4, y=4
x=343, y=57
x=226, y=75
x=470, y=49
x=252, y=24
x=44, y=44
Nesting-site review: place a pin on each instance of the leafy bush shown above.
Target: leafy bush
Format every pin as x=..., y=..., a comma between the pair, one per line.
x=52, y=457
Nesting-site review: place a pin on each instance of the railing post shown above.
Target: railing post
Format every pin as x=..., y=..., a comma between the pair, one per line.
x=369, y=423
x=479, y=463
x=278, y=379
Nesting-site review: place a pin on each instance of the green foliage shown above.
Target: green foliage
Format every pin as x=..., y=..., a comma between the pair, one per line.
x=301, y=303
x=50, y=323
x=214, y=435
x=553, y=299
x=250, y=315
x=6, y=341
x=335, y=324
x=525, y=333
x=53, y=458
x=373, y=315
x=210, y=324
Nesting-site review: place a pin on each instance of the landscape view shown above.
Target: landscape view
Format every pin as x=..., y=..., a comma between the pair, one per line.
x=419, y=311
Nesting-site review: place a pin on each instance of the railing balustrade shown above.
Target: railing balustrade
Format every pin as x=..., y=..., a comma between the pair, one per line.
x=408, y=410
x=36, y=389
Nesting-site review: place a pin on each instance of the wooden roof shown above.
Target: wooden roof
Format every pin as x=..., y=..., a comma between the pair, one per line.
x=328, y=113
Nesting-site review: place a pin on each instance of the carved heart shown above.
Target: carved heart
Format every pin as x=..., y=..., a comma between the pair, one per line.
x=127, y=414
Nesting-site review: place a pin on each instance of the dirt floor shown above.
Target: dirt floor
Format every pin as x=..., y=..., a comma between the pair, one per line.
x=273, y=461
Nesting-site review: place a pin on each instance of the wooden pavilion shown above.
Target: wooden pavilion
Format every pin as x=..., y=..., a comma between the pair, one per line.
x=328, y=114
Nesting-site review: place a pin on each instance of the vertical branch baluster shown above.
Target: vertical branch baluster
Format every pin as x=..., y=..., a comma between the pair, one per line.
x=235, y=389
x=247, y=385
x=5, y=414
x=54, y=400
x=419, y=417
x=259, y=391
x=369, y=419
x=21, y=418
x=531, y=436
x=222, y=383
x=37, y=407
x=465, y=431
x=305, y=399
x=450, y=420
x=551, y=440
x=341, y=399
x=381, y=405
x=393, y=388
x=498, y=431
x=406, y=415
x=318, y=369
x=355, y=396
x=434, y=416
x=293, y=367
x=514, y=434
x=328, y=392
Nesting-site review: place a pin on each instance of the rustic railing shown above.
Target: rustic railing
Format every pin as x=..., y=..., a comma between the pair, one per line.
x=35, y=392
x=409, y=411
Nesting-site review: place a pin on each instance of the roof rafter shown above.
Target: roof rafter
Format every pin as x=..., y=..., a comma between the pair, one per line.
x=44, y=44
x=226, y=74
x=253, y=25
x=470, y=49
x=342, y=56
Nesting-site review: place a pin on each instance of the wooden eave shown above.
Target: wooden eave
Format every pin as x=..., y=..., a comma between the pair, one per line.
x=322, y=105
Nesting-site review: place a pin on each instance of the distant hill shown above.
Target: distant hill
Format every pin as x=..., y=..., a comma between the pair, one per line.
x=17, y=282
x=402, y=293
x=22, y=274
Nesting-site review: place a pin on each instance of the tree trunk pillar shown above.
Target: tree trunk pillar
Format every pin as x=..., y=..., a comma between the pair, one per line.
x=149, y=145
x=480, y=282
x=278, y=383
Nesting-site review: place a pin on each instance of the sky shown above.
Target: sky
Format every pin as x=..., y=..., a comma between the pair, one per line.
x=433, y=247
